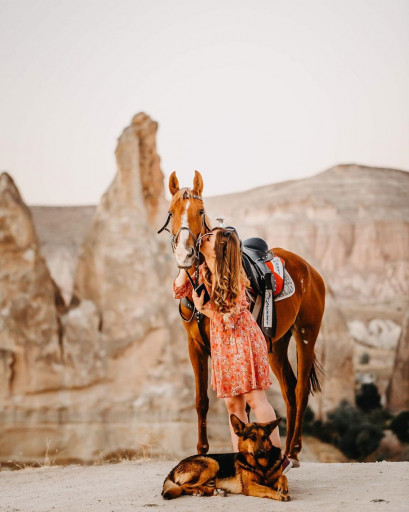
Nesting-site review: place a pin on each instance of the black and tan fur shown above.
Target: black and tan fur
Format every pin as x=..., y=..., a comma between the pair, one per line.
x=256, y=470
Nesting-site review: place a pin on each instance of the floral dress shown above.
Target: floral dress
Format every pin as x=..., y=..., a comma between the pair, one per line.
x=238, y=347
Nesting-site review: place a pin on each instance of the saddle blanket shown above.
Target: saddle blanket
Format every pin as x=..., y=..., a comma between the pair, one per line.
x=284, y=284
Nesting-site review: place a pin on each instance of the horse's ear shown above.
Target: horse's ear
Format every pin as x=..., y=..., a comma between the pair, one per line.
x=173, y=183
x=197, y=184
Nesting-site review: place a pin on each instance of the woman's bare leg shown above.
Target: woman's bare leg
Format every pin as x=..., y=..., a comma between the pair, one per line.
x=236, y=405
x=257, y=400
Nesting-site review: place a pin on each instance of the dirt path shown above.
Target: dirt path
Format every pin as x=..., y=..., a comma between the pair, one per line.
x=136, y=486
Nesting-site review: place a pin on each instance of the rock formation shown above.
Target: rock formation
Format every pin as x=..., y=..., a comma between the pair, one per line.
x=30, y=342
x=107, y=373
x=398, y=390
x=118, y=262
x=351, y=221
x=335, y=351
x=111, y=373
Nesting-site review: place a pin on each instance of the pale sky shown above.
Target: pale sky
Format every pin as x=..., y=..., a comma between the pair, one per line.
x=248, y=92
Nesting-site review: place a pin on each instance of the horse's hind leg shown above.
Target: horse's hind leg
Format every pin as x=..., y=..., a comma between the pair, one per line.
x=305, y=339
x=282, y=370
x=199, y=359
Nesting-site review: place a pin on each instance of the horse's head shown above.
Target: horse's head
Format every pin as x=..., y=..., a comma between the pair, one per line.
x=188, y=220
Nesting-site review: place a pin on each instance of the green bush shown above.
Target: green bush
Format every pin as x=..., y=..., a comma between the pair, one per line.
x=360, y=440
x=368, y=398
x=323, y=431
x=354, y=433
x=400, y=426
x=343, y=417
x=380, y=417
x=282, y=427
x=308, y=423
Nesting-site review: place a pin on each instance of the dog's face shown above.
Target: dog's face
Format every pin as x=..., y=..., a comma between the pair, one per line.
x=254, y=438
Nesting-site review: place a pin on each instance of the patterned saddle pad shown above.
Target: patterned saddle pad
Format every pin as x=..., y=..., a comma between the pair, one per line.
x=284, y=283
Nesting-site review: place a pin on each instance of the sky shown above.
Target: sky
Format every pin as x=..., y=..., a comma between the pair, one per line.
x=248, y=92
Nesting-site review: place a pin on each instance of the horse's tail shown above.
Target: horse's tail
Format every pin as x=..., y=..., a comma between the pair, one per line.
x=171, y=490
x=314, y=385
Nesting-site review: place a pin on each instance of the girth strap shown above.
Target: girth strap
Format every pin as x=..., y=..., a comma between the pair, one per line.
x=199, y=319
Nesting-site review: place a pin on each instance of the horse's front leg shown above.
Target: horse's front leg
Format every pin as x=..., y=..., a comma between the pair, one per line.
x=199, y=359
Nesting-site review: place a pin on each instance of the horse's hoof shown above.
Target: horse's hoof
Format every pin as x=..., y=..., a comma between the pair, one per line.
x=296, y=463
x=202, y=449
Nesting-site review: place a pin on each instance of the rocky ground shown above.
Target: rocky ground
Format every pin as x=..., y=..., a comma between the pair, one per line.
x=136, y=486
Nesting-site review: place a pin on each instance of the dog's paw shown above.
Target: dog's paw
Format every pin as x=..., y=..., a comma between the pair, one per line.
x=220, y=492
x=285, y=497
x=282, y=485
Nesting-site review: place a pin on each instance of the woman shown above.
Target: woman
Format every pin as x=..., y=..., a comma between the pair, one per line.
x=240, y=369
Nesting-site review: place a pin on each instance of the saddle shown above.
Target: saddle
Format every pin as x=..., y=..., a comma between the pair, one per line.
x=257, y=261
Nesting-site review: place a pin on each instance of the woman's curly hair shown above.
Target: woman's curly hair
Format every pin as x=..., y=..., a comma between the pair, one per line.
x=229, y=272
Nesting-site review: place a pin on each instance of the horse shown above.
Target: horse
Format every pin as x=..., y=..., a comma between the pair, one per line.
x=297, y=316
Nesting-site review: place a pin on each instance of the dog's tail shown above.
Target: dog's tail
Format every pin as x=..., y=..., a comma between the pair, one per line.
x=170, y=489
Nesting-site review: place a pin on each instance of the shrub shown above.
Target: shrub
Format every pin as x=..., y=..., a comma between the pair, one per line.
x=343, y=417
x=308, y=420
x=355, y=434
x=400, y=426
x=380, y=417
x=282, y=427
x=368, y=398
x=360, y=440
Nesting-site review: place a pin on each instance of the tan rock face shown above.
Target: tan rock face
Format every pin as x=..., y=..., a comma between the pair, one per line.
x=122, y=361
x=112, y=372
x=398, y=391
x=352, y=222
x=335, y=351
x=29, y=325
x=117, y=266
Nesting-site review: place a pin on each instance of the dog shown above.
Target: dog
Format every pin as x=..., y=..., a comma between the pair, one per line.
x=256, y=470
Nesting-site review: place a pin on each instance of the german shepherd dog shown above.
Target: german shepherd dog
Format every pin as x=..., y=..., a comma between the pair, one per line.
x=256, y=470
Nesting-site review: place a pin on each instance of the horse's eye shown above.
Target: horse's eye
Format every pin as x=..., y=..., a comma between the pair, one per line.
x=201, y=212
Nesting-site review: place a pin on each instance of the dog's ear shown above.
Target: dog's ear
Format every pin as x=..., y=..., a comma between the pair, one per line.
x=173, y=183
x=271, y=425
x=237, y=424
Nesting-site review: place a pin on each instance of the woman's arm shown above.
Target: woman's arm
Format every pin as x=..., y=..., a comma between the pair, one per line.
x=182, y=286
x=198, y=302
x=181, y=279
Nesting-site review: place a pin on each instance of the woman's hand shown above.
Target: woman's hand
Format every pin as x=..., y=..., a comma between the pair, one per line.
x=198, y=300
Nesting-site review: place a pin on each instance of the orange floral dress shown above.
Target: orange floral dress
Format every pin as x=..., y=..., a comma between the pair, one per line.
x=238, y=348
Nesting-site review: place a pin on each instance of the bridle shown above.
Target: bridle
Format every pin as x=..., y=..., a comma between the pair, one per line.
x=197, y=240
x=197, y=243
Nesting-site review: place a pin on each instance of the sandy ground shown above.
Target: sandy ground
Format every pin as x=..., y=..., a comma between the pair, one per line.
x=134, y=486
